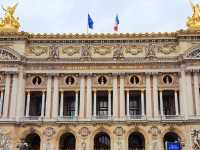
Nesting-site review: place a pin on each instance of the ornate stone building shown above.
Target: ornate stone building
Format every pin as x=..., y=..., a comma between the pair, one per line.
x=99, y=91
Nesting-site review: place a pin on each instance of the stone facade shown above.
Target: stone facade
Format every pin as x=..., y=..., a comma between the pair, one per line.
x=161, y=70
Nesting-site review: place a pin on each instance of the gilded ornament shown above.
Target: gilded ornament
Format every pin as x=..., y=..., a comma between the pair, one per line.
x=9, y=23
x=134, y=49
x=38, y=50
x=193, y=22
x=71, y=50
x=103, y=50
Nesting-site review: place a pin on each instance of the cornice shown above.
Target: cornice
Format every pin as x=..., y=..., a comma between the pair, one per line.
x=109, y=36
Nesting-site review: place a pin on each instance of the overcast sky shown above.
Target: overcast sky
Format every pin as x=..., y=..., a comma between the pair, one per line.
x=70, y=16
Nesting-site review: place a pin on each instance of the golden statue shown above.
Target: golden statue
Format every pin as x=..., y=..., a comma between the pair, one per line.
x=193, y=22
x=9, y=23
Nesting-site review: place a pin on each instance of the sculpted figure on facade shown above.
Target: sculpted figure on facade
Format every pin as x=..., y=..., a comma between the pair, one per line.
x=167, y=49
x=54, y=51
x=85, y=51
x=118, y=52
x=150, y=50
x=196, y=139
x=4, y=140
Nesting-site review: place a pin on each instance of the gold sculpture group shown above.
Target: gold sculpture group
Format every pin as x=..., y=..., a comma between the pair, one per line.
x=11, y=24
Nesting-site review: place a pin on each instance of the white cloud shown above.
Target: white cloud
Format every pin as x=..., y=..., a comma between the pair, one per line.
x=71, y=15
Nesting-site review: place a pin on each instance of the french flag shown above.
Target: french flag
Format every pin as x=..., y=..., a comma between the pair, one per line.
x=116, y=27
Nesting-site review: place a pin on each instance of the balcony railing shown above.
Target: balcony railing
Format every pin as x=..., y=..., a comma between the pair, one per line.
x=100, y=117
x=136, y=117
x=67, y=118
x=172, y=117
x=32, y=118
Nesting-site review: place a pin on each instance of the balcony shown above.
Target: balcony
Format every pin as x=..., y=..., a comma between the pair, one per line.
x=67, y=118
x=32, y=119
x=102, y=118
x=136, y=117
x=172, y=118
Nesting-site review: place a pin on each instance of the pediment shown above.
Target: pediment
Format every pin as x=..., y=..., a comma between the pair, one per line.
x=8, y=54
x=193, y=53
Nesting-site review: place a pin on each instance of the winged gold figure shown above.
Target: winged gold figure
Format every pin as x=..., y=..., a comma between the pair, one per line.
x=9, y=23
x=193, y=22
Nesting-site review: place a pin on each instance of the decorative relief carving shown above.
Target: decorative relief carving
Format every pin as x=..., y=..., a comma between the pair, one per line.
x=49, y=132
x=4, y=140
x=38, y=50
x=167, y=49
x=134, y=49
x=119, y=131
x=150, y=50
x=118, y=52
x=71, y=50
x=54, y=51
x=196, y=139
x=86, y=51
x=155, y=131
x=84, y=132
x=194, y=54
x=103, y=50
x=5, y=55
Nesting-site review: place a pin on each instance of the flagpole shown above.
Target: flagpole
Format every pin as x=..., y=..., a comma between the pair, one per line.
x=87, y=25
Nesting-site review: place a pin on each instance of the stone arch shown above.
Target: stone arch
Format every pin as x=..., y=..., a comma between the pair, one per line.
x=30, y=131
x=61, y=132
x=139, y=130
x=173, y=130
x=34, y=141
x=8, y=54
x=101, y=130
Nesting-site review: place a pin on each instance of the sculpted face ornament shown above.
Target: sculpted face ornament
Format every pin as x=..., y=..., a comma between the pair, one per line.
x=84, y=132
x=49, y=132
x=119, y=131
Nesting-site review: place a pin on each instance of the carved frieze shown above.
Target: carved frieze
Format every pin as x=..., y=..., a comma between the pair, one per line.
x=54, y=51
x=71, y=50
x=38, y=50
x=195, y=139
x=134, y=49
x=5, y=54
x=103, y=50
x=167, y=48
x=86, y=51
x=150, y=51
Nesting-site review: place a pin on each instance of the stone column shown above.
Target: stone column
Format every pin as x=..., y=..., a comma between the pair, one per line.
x=48, y=99
x=127, y=103
x=122, y=97
x=82, y=97
x=161, y=104
x=190, y=94
x=176, y=102
x=109, y=103
x=1, y=101
x=55, y=97
x=148, y=97
x=142, y=103
x=7, y=96
x=61, y=103
x=183, y=94
x=14, y=97
x=115, y=97
x=196, y=92
x=20, y=96
x=95, y=104
x=28, y=103
x=43, y=103
x=76, y=104
x=89, y=97
x=155, y=96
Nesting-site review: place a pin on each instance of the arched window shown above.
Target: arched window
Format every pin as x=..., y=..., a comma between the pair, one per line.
x=136, y=141
x=102, y=141
x=171, y=137
x=67, y=142
x=33, y=141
